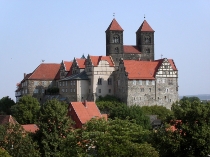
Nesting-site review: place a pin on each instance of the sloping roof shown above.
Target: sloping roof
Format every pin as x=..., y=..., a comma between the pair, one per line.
x=30, y=127
x=80, y=76
x=114, y=26
x=141, y=69
x=145, y=27
x=67, y=65
x=86, y=111
x=26, y=77
x=81, y=63
x=131, y=49
x=96, y=59
x=4, y=119
x=46, y=71
x=171, y=61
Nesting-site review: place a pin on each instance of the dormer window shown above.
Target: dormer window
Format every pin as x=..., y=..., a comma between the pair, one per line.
x=116, y=39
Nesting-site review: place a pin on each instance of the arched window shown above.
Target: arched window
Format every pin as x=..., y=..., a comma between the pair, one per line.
x=116, y=39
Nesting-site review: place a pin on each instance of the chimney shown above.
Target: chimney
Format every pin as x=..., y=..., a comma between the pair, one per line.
x=85, y=103
x=24, y=75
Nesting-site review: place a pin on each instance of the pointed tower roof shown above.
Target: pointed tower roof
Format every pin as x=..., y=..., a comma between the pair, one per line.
x=114, y=26
x=145, y=27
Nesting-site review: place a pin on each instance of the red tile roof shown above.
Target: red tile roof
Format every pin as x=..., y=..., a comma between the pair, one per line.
x=96, y=59
x=81, y=63
x=4, y=119
x=46, y=71
x=131, y=49
x=145, y=27
x=26, y=77
x=141, y=69
x=114, y=26
x=86, y=111
x=171, y=61
x=30, y=127
x=67, y=65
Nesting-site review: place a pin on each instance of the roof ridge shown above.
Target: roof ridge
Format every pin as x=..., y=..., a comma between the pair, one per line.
x=114, y=26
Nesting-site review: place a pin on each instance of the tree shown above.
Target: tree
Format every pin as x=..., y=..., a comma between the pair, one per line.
x=26, y=110
x=4, y=153
x=17, y=142
x=162, y=112
x=5, y=105
x=115, y=138
x=54, y=129
x=191, y=134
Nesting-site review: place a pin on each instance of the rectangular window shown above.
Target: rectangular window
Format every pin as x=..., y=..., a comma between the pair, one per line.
x=36, y=90
x=66, y=83
x=60, y=83
x=140, y=82
x=35, y=83
x=26, y=91
x=43, y=83
x=109, y=90
x=134, y=82
x=163, y=80
x=66, y=90
x=147, y=82
x=63, y=83
x=42, y=90
x=99, y=81
x=74, y=90
x=99, y=90
x=150, y=89
x=118, y=82
x=71, y=90
x=142, y=89
x=109, y=81
x=62, y=90
x=73, y=82
x=153, y=82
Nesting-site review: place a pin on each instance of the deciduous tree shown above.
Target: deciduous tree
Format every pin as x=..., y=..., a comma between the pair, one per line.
x=5, y=105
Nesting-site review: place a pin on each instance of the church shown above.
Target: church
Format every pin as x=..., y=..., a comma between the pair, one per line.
x=128, y=72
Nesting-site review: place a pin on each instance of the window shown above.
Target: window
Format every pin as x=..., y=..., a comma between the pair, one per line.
x=142, y=89
x=42, y=90
x=74, y=90
x=36, y=83
x=99, y=90
x=89, y=81
x=36, y=90
x=109, y=81
x=147, y=82
x=63, y=83
x=159, y=89
x=43, y=83
x=150, y=89
x=163, y=80
x=134, y=82
x=153, y=82
x=116, y=39
x=71, y=89
x=62, y=90
x=73, y=82
x=140, y=82
x=118, y=82
x=60, y=83
x=66, y=90
x=66, y=83
x=165, y=97
x=170, y=82
x=166, y=90
x=100, y=81
x=169, y=100
x=109, y=90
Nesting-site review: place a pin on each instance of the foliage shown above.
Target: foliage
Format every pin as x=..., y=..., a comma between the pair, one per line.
x=162, y=112
x=17, y=142
x=53, y=90
x=191, y=137
x=4, y=153
x=26, y=110
x=54, y=129
x=5, y=105
x=116, y=109
x=115, y=138
x=190, y=99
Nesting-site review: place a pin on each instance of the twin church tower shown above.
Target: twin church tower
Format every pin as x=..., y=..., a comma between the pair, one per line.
x=143, y=50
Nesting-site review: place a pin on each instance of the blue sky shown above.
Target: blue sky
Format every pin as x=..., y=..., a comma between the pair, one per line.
x=32, y=31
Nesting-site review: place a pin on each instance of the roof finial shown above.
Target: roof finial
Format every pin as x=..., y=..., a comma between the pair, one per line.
x=161, y=56
x=114, y=15
x=144, y=16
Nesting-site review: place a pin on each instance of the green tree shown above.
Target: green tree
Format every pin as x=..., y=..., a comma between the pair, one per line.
x=190, y=99
x=55, y=130
x=26, y=110
x=5, y=105
x=162, y=112
x=115, y=138
x=192, y=132
x=17, y=142
x=4, y=153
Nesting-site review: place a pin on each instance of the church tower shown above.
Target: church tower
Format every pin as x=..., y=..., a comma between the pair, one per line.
x=145, y=41
x=114, y=41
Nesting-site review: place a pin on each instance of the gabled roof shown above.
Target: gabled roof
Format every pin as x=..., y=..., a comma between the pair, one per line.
x=131, y=49
x=86, y=111
x=30, y=127
x=67, y=65
x=145, y=27
x=114, y=26
x=46, y=71
x=4, y=119
x=96, y=59
x=80, y=63
x=26, y=77
x=144, y=69
x=141, y=69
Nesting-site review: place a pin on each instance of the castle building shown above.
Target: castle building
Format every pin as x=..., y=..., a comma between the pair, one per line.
x=128, y=72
